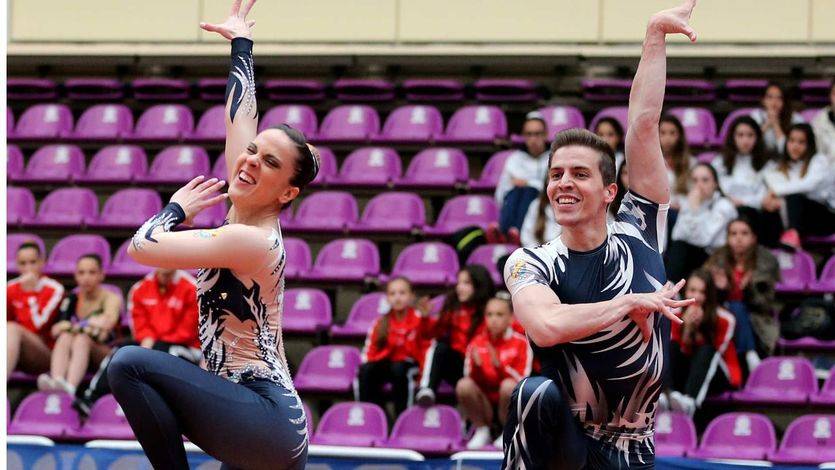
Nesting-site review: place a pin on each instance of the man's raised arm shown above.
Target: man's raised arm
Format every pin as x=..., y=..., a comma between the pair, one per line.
x=644, y=161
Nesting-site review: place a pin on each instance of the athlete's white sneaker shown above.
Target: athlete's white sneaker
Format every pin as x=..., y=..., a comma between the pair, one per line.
x=46, y=383
x=683, y=403
x=64, y=386
x=753, y=360
x=663, y=402
x=425, y=397
x=480, y=438
x=499, y=442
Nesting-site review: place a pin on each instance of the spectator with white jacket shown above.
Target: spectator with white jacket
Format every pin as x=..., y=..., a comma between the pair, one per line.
x=775, y=117
x=824, y=125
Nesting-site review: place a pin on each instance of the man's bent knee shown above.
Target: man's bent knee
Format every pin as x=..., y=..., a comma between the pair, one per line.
x=125, y=362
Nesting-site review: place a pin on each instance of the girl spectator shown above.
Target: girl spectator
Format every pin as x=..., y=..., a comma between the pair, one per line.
x=461, y=318
x=611, y=131
x=32, y=301
x=701, y=224
x=804, y=182
x=775, y=117
x=745, y=274
x=704, y=337
x=85, y=326
x=677, y=156
x=824, y=125
x=497, y=358
x=390, y=352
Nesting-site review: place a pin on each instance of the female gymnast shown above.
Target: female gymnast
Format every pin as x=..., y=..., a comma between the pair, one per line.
x=242, y=409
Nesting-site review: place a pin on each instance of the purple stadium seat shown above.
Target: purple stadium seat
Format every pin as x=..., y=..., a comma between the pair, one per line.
x=104, y=122
x=412, y=123
x=44, y=121
x=47, y=414
x=362, y=315
x=437, y=167
x=797, y=271
x=619, y=113
x=20, y=205
x=286, y=217
x=294, y=90
x=433, y=90
x=726, y=124
x=354, y=424
x=66, y=252
x=34, y=89
x=56, y=163
x=211, y=89
x=306, y=311
x=475, y=124
x=298, y=116
x=94, y=89
x=309, y=420
x=707, y=157
x=328, y=369
x=66, y=207
x=9, y=122
x=815, y=92
x=809, y=115
x=492, y=171
x=427, y=263
x=346, y=259
x=299, y=259
x=497, y=90
x=124, y=266
x=806, y=343
x=128, y=209
x=331, y=211
x=745, y=91
x=699, y=125
x=433, y=430
x=349, y=123
x=392, y=212
x=826, y=396
x=737, y=436
x=328, y=168
x=488, y=255
x=558, y=118
x=177, y=165
x=826, y=282
x=606, y=89
x=165, y=122
x=780, y=380
x=13, y=242
x=807, y=441
x=116, y=164
x=212, y=216
x=690, y=91
x=211, y=126
x=370, y=166
x=360, y=90
x=463, y=211
x=219, y=167
x=160, y=89
x=675, y=434
x=106, y=421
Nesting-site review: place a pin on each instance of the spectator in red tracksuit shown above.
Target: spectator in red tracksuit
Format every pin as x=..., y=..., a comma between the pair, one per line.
x=497, y=358
x=32, y=301
x=461, y=318
x=704, y=358
x=390, y=352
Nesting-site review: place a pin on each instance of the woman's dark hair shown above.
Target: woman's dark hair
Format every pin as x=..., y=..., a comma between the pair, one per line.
x=30, y=245
x=541, y=215
x=614, y=207
x=712, y=171
x=679, y=156
x=584, y=138
x=749, y=258
x=785, y=113
x=383, y=328
x=93, y=256
x=711, y=304
x=483, y=290
x=307, y=163
x=616, y=126
x=784, y=160
x=729, y=152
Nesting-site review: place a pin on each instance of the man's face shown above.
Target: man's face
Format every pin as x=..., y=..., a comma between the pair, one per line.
x=575, y=186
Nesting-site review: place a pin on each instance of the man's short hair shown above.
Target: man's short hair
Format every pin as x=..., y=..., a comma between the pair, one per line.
x=584, y=138
x=32, y=245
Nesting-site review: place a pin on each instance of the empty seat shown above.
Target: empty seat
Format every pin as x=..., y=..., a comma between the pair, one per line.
x=737, y=436
x=106, y=421
x=690, y=91
x=211, y=126
x=104, y=122
x=488, y=256
x=66, y=252
x=815, y=92
x=434, y=430
x=124, y=266
x=94, y=89
x=606, y=89
x=332, y=211
x=299, y=259
x=35, y=89
x=57, y=163
x=13, y=242
x=44, y=121
x=116, y=164
x=437, y=168
x=212, y=216
x=328, y=369
x=464, y=211
x=500, y=90
x=212, y=89
x=699, y=125
x=363, y=90
x=745, y=91
x=675, y=434
x=618, y=113
x=129, y=208
x=20, y=205
x=807, y=441
x=560, y=118
x=328, y=167
x=797, y=271
x=298, y=116
x=826, y=281
x=346, y=259
x=430, y=90
x=160, y=89
x=784, y=380
x=284, y=90
x=427, y=263
x=355, y=424
x=165, y=122
x=392, y=212
x=412, y=123
x=492, y=171
x=362, y=315
x=177, y=165
x=306, y=311
x=66, y=207
x=349, y=123
x=370, y=166
x=729, y=120
x=826, y=396
x=47, y=414
x=476, y=124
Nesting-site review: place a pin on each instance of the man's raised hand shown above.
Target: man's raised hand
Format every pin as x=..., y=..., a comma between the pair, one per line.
x=236, y=26
x=675, y=20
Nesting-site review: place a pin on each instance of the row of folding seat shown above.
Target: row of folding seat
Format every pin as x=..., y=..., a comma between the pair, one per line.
x=781, y=380
x=434, y=167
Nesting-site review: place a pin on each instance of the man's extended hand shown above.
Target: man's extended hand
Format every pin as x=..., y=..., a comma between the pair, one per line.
x=236, y=26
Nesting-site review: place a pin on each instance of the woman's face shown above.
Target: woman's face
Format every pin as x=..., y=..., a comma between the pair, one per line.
x=773, y=100
x=607, y=132
x=669, y=136
x=29, y=261
x=262, y=173
x=796, y=144
x=702, y=178
x=88, y=275
x=399, y=294
x=497, y=316
x=464, y=288
x=744, y=138
x=695, y=290
x=740, y=238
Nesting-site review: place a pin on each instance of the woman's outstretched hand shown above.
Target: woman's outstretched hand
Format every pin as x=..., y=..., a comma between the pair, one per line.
x=197, y=195
x=236, y=26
